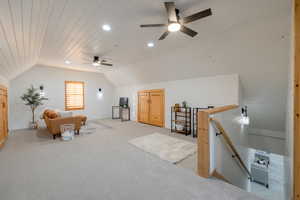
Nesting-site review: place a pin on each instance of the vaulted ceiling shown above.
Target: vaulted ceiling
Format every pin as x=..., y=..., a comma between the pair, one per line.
x=49, y=32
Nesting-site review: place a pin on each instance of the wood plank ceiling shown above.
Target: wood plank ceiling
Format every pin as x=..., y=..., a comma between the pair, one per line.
x=25, y=26
x=49, y=32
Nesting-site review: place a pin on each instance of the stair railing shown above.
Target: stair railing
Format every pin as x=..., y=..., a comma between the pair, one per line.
x=203, y=140
x=230, y=146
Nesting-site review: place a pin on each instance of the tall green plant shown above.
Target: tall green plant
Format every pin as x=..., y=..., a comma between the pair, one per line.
x=33, y=99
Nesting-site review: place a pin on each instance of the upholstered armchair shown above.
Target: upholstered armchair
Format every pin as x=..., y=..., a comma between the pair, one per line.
x=53, y=122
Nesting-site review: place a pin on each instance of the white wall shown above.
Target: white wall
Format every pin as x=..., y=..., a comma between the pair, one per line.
x=3, y=81
x=198, y=92
x=53, y=81
x=221, y=157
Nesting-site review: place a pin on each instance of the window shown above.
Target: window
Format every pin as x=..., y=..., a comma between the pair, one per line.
x=74, y=95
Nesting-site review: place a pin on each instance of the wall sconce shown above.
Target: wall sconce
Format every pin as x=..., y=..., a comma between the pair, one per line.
x=42, y=92
x=100, y=93
x=244, y=116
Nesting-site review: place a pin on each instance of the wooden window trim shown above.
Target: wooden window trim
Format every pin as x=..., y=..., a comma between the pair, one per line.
x=83, y=94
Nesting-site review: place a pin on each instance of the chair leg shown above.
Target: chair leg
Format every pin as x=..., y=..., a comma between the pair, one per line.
x=54, y=137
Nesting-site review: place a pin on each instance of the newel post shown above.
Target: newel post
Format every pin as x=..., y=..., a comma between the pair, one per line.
x=203, y=154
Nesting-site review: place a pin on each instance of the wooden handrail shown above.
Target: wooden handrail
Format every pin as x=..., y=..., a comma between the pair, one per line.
x=203, y=152
x=230, y=145
x=220, y=109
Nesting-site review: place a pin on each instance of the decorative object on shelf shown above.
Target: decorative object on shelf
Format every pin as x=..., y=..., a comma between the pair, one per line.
x=33, y=99
x=181, y=120
x=195, y=119
x=184, y=104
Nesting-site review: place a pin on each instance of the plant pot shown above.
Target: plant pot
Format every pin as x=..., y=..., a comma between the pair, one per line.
x=33, y=125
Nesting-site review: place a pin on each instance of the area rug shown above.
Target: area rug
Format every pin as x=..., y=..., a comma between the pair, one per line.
x=165, y=147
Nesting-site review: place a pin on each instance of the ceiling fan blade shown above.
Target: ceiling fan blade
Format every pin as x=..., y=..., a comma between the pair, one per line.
x=164, y=35
x=188, y=31
x=196, y=16
x=170, y=7
x=106, y=64
x=152, y=25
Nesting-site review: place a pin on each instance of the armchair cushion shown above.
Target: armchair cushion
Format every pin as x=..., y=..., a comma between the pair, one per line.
x=50, y=114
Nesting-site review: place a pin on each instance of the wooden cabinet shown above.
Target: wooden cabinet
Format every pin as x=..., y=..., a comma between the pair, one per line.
x=151, y=107
x=143, y=107
x=3, y=115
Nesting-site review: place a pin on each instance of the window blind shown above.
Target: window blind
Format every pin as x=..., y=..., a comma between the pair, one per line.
x=74, y=95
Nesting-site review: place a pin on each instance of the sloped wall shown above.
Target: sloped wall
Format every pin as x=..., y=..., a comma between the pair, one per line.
x=198, y=92
x=53, y=81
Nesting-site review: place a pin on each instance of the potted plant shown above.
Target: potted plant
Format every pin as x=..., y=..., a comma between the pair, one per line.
x=33, y=99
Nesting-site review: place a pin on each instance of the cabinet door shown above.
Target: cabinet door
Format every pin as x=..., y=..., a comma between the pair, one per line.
x=5, y=116
x=2, y=128
x=143, y=107
x=156, y=113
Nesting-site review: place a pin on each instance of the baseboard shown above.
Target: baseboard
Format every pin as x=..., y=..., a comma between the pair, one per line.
x=217, y=175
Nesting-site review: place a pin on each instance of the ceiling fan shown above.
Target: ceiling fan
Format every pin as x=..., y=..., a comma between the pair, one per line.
x=176, y=23
x=97, y=62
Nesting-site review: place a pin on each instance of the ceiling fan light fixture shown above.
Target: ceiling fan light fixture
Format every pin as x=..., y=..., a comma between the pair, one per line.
x=150, y=44
x=96, y=64
x=174, y=26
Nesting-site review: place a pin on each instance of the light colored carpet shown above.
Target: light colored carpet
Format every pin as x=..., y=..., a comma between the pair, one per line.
x=103, y=165
x=165, y=147
x=99, y=124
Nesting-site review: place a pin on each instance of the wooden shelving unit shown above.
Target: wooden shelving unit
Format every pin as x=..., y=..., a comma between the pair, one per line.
x=181, y=120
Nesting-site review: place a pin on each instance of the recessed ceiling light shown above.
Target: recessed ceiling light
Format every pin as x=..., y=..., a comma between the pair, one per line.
x=68, y=62
x=106, y=27
x=150, y=44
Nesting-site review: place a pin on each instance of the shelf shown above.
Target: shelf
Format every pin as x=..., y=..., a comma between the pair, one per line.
x=186, y=121
x=184, y=132
x=183, y=112
x=182, y=116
